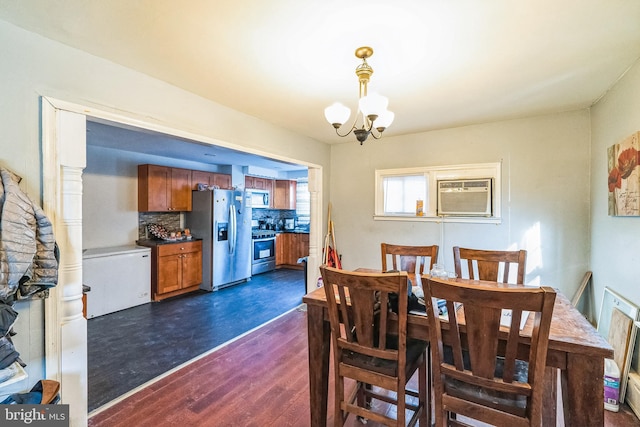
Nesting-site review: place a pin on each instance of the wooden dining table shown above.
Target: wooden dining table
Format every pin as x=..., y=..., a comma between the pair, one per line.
x=575, y=348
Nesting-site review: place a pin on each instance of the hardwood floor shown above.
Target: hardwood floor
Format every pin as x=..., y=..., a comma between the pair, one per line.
x=258, y=380
x=130, y=347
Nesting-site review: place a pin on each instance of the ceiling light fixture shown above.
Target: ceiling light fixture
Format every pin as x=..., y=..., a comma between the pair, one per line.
x=375, y=116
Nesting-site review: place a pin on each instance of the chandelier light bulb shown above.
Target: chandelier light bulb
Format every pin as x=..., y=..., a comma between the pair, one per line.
x=384, y=120
x=337, y=114
x=373, y=105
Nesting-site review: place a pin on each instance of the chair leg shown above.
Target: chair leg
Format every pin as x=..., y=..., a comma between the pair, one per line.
x=339, y=398
x=401, y=404
x=423, y=392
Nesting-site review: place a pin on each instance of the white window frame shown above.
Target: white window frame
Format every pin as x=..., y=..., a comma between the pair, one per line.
x=432, y=175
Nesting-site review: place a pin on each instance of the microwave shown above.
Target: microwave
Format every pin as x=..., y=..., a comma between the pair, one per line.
x=259, y=199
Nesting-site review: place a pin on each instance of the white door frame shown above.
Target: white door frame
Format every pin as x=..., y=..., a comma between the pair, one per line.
x=64, y=158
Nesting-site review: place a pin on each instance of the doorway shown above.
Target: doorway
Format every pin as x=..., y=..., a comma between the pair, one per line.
x=64, y=158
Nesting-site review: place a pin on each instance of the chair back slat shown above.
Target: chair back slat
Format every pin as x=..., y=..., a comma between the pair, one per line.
x=485, y=349
x=412, y=259
x=482, y=327
x=487, y=264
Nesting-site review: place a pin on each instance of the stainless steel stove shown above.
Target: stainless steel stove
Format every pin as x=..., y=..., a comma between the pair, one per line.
x=261, y=234
x=263, y=252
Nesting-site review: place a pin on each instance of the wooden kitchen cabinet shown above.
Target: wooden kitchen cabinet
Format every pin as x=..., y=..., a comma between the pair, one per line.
x=284, y=196
x=257, y=182
x=290, y=247
x=222, y=180
x=163, y=189
x=176, y=268
x=299, y=247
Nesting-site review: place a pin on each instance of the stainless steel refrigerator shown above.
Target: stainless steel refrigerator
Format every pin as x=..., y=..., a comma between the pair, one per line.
x=222, y=218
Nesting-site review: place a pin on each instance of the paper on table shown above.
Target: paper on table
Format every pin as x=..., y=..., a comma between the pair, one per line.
x=505, y=319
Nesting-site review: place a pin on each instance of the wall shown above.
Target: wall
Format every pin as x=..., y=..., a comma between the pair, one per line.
x=110, y=194
x=545, y=187
x=33, y=66
x=615, y=251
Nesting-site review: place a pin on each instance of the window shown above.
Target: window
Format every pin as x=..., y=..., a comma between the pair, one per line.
x=398, y=191
x=303, y=205
x=401, y=193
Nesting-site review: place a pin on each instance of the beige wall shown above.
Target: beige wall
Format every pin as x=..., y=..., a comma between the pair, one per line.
x=545, y=188
x=615, y=249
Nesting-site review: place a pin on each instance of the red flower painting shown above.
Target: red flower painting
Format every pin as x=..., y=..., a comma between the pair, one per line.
x=615, y=179
x=623, y=180
x=627, y=161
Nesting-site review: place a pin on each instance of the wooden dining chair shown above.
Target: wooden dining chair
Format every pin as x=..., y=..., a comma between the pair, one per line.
x=369, y=349
x=490, y=376
x=487, y=264
x=405, y=258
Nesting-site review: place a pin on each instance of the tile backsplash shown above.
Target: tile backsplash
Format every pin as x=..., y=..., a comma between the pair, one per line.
x=274, y=217
x=169, y=220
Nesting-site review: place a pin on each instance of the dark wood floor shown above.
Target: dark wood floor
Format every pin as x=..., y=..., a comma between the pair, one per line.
x=130, y=347
x=259, y=380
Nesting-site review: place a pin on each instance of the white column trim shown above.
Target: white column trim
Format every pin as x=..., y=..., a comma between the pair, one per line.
x=63, y=152
x=315, y=230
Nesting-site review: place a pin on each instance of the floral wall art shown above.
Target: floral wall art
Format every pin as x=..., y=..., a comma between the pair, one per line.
x=624, y=177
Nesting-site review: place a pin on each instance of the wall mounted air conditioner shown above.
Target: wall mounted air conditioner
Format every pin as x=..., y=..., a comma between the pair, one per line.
x=468, y=197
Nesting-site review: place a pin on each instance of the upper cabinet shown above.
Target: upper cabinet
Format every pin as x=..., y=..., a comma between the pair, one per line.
x=257, y=183
x=163, y=189
x=219, y=180
x=285, y=194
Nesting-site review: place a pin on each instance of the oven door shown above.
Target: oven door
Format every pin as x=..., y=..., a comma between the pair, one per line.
x=263, y=255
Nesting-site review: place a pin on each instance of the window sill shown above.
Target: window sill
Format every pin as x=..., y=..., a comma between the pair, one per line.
x=438, y=219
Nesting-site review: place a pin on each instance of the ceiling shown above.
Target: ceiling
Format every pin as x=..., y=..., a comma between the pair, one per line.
x=441, y=63
x=102, y=133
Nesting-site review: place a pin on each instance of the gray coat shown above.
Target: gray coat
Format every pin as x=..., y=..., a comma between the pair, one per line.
x=28, y=251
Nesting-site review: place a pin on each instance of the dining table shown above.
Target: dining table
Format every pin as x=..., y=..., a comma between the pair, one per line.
x=575, y=348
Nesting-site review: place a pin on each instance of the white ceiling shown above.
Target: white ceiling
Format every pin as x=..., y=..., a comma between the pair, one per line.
x=102, y=133
x=441, y=63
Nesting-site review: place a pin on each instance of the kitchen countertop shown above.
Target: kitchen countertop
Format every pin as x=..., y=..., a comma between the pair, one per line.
x=294, y=231
x=155, y=242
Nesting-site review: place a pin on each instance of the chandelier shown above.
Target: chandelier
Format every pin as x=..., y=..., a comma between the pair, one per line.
x=375, y=116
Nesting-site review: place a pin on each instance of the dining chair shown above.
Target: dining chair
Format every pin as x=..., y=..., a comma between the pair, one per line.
x=491, y=378
x=368, y=348
x=405, y=258
x=489, y=263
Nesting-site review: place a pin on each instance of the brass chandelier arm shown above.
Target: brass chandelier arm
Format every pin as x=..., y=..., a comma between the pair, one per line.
x=361, y=133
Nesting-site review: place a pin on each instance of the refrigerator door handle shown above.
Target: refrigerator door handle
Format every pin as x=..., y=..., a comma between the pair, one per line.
x=233, y=229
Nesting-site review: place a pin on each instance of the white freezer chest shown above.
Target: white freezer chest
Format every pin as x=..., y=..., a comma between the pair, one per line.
x=119, y=277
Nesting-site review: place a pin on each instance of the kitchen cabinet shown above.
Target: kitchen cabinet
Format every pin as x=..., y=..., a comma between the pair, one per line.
x=284, y=196
x=221, y=180
x=163, y=189
x=257, y=182
x=280, y=243
x=176, y=268
x=290, y=247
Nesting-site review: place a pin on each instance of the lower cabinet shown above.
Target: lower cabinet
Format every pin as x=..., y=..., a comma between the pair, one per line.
x=176, y=268
x=290, y=247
